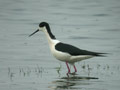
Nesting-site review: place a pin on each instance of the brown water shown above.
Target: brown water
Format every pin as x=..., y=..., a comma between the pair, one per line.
x=26, y=62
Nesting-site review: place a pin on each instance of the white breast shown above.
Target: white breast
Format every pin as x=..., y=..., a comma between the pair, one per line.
x=58, y=54
x=63, y=56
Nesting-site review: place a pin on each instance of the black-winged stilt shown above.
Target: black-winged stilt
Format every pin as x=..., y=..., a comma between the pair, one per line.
x=65, y=52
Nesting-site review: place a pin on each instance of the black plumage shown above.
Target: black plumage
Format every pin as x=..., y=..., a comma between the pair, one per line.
x=72, y=50
x=48, y=29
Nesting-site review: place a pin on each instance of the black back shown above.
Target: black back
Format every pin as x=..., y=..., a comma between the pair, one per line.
x=42, y=24
x=74, y=50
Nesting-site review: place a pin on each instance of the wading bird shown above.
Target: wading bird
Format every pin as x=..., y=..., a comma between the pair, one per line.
x=65, y=52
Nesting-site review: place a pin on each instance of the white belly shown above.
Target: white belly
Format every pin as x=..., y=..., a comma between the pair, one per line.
x=62, y=56
x=79, y=58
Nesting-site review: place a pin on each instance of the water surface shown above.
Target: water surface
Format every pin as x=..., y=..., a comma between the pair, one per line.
x=26, y=62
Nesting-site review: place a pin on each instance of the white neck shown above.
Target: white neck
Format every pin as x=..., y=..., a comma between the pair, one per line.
x=50, y=41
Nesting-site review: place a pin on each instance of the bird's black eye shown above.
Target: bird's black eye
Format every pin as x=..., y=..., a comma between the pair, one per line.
x=42, y=24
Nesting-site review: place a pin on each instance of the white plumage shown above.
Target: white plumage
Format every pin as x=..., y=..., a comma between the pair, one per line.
x=64, y=52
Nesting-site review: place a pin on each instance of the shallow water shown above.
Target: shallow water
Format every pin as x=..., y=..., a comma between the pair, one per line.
x=26, y=62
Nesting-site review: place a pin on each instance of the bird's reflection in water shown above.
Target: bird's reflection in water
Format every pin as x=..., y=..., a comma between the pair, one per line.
x=73, y=82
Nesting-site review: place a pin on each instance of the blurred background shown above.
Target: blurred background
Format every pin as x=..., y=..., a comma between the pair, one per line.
x=26, y=62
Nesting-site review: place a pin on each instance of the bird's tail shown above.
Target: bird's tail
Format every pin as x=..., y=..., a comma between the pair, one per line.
x=101, y=54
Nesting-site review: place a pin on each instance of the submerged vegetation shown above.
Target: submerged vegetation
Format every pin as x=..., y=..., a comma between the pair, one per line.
x=38, y=71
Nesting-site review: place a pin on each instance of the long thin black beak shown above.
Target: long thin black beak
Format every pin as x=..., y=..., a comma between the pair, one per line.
x=34, y=32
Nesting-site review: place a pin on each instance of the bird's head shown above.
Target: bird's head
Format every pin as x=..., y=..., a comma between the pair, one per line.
x=42, y=27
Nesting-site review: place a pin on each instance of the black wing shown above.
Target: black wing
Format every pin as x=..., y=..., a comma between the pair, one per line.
x=72, y=50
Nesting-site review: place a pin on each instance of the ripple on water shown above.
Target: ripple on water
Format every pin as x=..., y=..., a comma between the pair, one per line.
x=96, y=38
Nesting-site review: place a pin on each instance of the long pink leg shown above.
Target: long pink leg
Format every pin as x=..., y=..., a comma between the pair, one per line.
x=75, y=68
x=68, y=68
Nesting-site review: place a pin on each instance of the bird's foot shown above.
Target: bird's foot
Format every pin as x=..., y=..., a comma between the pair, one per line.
x=68, y=74
x=74, y=73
